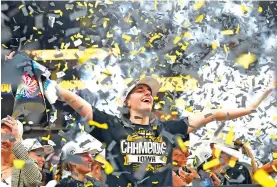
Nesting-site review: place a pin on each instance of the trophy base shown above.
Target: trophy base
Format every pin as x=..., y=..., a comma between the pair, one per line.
x=29, y=107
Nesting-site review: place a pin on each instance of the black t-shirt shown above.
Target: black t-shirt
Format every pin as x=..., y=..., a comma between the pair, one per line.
x=70, y=182
x=135, y=146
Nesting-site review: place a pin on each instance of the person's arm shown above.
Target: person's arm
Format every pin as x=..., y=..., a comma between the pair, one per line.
x=76, y=102
x=30, y=173
x=202, y=118
x=269, y=167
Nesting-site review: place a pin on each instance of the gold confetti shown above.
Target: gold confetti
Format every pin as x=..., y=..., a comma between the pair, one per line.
x=244, y=8
x=155, y=5
x=58, y=11
x=117, y=49
x=184, y=47
x=88, y=184
x=167, y=117
x=187, y=35
x=214, y=45
x=4, y=46
x=64, y=140
x=199, y=18
x=237, y=30
x=65, y=67
x=260, y=9
x=21, y=6
x=225, y=49
x=18, y=164
x=105, y=24
x=232, y=162
x=108, y=2
x=156, y=36
x=172, y=57
x=174, y=113
x=258, y=133
x=246, y=60
x=94, y=123
x=230, y=136
x=107, y=166
x=177, y=39
x=274, y=154
x=264, y=179
x=199, y=4
x=46, y=137
x=80, y=4
x=217, y=153
x=212, y=163
x=180, y=102
x=189, y=109
x=227, y=32
x=62, y=45
x=155, y=182
x=181, y=144
x=126, y=38
x=272, y=136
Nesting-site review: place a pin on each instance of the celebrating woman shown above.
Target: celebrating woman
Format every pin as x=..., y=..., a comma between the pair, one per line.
x=18, y=169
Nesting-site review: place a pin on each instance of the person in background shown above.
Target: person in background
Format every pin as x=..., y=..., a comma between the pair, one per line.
x=78, y=170
x=183, y=174
x=242, y=169
x=76, y=160
x=49, y=167
x=97, y=172
x=18, y=169
x=270, y=167
x=37, y=151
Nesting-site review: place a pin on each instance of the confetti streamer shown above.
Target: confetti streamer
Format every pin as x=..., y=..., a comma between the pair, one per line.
x=94, y=123
x=211, y=164
x=19, y=164
x=264, y=179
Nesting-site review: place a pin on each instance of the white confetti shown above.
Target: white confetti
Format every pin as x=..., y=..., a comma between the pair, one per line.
x=25, y=12
x=51, y=21
x=60, y=74
x=77, y=42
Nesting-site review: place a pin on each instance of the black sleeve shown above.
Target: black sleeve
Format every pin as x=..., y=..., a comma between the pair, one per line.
x=101, y=117
x=177, y=126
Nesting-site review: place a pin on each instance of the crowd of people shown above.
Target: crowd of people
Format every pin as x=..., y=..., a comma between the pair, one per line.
x=135, y=149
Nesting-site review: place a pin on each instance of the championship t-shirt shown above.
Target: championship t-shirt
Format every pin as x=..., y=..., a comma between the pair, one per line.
x=141, y=154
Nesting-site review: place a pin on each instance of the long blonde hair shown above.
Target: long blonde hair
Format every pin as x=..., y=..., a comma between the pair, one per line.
x=248, y=153
x=59, y=169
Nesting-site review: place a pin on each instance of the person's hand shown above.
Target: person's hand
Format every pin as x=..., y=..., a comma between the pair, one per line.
x=177, y=180
x=254, y=105
x=12, y=124
x=188, y=177
x=10, y=56
x=215, y=179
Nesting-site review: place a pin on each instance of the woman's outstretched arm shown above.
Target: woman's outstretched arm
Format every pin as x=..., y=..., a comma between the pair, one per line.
x=202, y=118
